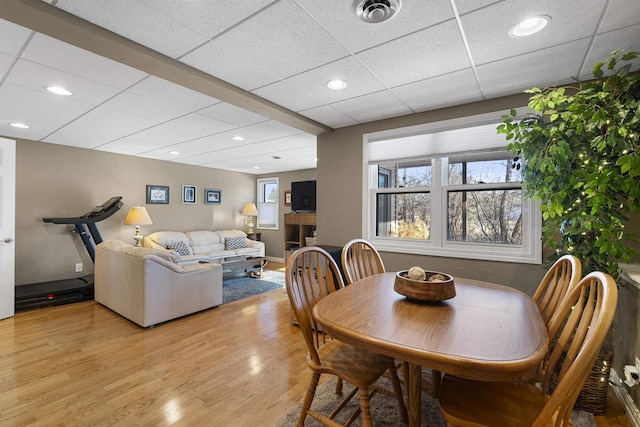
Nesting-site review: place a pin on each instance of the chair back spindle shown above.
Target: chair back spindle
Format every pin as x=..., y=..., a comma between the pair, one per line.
x=360, y=259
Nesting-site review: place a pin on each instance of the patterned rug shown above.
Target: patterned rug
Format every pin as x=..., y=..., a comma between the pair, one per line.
x=242, y=287
x=384, y=409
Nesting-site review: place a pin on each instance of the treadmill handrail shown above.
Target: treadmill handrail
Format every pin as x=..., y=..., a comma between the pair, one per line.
x=111, y=206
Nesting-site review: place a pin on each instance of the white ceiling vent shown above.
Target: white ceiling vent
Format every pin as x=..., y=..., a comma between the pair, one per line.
x=374, y=11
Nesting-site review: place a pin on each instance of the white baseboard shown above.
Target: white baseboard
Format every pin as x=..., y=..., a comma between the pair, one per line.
x=625, y=399
x=275, y=259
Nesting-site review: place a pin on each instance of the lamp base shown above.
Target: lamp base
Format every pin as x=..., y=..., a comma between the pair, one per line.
x=138, y=237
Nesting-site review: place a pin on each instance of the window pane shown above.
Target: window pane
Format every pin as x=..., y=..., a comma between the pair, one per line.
x=403, y=215
x=491, y=216
x=404, y=175
x=271, y=192
x=483, y=172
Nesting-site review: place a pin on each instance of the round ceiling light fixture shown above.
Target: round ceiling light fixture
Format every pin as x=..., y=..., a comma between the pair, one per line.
x=336, y=84
x=58, y=90
x=376, y=11
x=529, y=26
x=19, y=125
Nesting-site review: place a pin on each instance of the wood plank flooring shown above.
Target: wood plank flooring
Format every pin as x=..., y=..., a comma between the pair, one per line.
x=240, y=364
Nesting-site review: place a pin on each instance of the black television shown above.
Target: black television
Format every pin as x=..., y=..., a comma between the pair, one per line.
x=303, y=196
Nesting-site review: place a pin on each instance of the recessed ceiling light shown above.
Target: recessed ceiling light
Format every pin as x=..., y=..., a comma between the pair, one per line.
x=256, y=167
x=529, y=26
x=336, y=84
x=237, y=138
x=175, y=153
x=19, y=125
x=58, y=90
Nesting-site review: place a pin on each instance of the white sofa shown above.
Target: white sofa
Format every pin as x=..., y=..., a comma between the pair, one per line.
x=205, y=245
x=148, y=287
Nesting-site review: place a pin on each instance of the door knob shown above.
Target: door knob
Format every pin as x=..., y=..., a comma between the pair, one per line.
x=8, y=240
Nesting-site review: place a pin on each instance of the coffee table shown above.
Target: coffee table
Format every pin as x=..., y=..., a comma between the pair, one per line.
x=249, y=266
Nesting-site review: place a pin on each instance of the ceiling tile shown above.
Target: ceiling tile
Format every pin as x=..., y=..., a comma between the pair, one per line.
x=273, y=129
x=35, y=76
x=143, y=106
x=283, y=40
x=137, y=22
x=98, y=127
x=339, y=18
x=44, y=113
x=466, y=6
x=450, y=89
x=309, y=89
x=329, y=116
x=65, y=57
x=385, y=102
x=487, y=29
x=171, y=93
x=621, y=13
x=428, y=53
x=200, y=16
x=497, y=79
x=232, y=114
x=13, y=37
x=227, y=64
x=5, y=64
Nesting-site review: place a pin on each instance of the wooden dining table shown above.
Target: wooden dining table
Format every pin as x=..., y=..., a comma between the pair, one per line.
x=486, y=332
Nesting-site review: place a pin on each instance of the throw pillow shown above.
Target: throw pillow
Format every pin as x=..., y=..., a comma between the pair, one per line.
x=179, y=247
x=231, y=243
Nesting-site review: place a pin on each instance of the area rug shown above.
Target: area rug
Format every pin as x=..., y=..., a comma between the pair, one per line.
x=242, y=287
x=384, y=409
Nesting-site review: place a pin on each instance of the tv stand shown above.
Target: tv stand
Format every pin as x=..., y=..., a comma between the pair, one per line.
x=297, y=227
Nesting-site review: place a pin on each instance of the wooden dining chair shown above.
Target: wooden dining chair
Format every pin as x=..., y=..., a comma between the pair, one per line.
x=562, y=276
x=361, y=259
x=312, y=274
x=578, y=329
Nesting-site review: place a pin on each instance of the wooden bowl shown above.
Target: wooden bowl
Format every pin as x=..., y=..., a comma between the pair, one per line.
x=424, y=290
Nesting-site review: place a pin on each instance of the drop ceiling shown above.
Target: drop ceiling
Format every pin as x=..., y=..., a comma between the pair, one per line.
x=155, y=77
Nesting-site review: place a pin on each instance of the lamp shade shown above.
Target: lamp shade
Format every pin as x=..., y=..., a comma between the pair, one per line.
x=250, y=209
x=138, y=216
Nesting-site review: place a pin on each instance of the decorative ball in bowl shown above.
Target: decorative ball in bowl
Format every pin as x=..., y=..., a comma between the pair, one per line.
x=425, y=286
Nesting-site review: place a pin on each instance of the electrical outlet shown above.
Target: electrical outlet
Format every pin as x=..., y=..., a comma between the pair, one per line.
x=78, y=267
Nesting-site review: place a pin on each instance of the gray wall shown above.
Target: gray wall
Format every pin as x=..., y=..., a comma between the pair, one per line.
x=59, y=181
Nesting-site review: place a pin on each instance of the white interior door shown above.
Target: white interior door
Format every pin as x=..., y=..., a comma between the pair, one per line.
x=7, y=226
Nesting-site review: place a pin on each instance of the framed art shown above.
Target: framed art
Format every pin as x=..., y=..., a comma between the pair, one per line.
x=189, y=194
x=287, y=198
x=212, y=197
x=157, y=195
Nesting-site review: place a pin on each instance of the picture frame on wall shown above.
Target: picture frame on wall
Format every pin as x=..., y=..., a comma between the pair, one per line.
x=157, y=195
x=189, y=194
x=287, y=198
x=212, y=197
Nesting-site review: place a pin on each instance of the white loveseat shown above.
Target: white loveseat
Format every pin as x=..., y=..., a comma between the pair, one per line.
x=203, y=245
x=148, y=287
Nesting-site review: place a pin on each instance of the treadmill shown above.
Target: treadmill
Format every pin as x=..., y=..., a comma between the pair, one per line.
x=69, y=290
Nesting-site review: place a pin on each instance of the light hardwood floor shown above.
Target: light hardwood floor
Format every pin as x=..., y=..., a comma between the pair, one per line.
x=241, y=364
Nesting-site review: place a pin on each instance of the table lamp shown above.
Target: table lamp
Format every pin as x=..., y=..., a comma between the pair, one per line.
x=250, y=210
x=138, y=216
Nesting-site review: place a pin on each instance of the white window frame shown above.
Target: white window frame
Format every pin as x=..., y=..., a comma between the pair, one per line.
x=530, y=251
x=261, y=182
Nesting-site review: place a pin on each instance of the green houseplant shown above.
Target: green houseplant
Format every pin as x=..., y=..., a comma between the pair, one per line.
x=582, y=161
